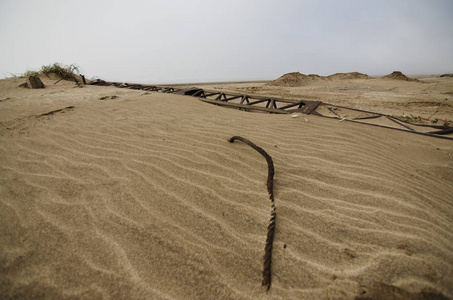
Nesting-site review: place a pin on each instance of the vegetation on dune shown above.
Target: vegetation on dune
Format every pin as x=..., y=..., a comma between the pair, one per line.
x=446, y=75
x=30, y=73
x=63, y=71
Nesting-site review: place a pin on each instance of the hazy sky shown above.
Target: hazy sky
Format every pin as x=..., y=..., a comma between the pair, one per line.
x=191, y=41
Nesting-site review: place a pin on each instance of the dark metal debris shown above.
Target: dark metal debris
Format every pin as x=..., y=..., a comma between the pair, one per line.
x=281, y=106
x=271, y=227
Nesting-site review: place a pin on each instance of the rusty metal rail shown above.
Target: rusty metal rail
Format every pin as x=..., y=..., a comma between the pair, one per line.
x=282, y=106
x=249, y=102
x=235, y=100
x=442, y=131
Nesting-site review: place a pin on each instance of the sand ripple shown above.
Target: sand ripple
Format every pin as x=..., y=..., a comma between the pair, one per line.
x=143, y=197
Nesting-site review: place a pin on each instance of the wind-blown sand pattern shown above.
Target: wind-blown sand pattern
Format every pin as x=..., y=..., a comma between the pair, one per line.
x=142, y=197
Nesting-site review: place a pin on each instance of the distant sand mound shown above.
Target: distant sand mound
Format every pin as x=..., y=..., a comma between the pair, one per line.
x=298, y=79
x=397, y=75
x=295, y=79
x=351, y=75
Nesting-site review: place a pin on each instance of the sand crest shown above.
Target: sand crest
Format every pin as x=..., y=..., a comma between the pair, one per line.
x=397, y=75
x=351, y=75
x=140, y=196
x=295, y=79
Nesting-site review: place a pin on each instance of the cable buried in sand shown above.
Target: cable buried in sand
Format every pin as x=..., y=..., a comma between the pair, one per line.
x=271, y=227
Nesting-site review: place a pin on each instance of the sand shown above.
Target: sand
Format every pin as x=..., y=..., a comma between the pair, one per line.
x=422, y=96
x=397, y=75
x=140, y=196
x=295, y=79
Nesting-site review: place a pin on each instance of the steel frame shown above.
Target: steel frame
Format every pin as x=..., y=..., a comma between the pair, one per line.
x=236, y=100
x=277, y=105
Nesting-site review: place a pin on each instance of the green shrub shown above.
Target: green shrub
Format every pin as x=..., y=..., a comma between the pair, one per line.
x=446, y=75
x=31, y=73
x=65, y=72
x=62, y=71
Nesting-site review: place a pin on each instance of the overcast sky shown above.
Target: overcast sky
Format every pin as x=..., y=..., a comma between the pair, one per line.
x=166, y=41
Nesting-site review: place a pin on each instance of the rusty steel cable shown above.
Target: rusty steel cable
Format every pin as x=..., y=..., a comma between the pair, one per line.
x=271, y=227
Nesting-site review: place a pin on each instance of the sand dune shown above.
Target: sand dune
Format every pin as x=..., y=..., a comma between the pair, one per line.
x=142, y=197
x=428, y=97
x=296, y=79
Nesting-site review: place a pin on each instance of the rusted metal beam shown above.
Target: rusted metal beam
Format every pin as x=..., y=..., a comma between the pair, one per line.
x=366, y=118
x=272, y=106
x=271, y=103
x=199, y=93
x=151, y=88
x=219, y=97
x=245, y=106
x=247, y=102
x=307, y=108
x=245, y=98
x=211, y=94
x=402, y=125
x=232, y=98
x=300, y=104
x=258, y=101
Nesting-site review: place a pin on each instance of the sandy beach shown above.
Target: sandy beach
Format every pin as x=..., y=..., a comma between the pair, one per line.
x=141, y=196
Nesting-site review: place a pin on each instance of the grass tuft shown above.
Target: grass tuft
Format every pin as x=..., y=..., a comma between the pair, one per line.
x=62, y=71
x=31, y=73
